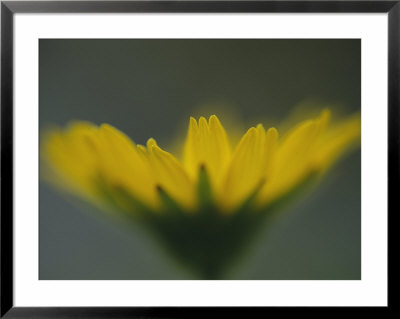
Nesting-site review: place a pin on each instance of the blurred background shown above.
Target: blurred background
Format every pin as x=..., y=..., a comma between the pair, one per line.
x=149, y=88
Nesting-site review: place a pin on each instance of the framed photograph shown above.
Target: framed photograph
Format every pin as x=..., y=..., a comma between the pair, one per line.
x=180, y=158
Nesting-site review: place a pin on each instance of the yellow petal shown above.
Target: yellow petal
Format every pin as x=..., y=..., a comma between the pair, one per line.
x=336, y=141
x=207, y=144
x=71, y=159
x=170, y=175
x=124, y=166
x=221, y=149
x=85, y=155
x=190, y=149
x=270, y=151
x=142, y=150
x=292, y=160
x=310, y=147
x=250, y=166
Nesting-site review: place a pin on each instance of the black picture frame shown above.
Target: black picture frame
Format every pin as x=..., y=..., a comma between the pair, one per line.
x=9, y=8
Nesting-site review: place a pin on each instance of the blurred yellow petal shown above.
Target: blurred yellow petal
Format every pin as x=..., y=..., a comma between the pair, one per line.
x=336, y=141
x=71, y=159
x=86, y=154
x=123, y=166
x=293, y=157
x=207, y=144
x=170, y=175
x=250, y=166
x=190, y=149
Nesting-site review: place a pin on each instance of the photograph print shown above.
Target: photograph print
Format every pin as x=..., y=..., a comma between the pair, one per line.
x=200, y=159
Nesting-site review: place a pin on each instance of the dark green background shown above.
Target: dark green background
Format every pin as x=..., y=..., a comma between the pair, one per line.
x=149, y=88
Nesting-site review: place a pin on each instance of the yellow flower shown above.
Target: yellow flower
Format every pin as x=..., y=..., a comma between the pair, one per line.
x=84, y=156
x=200, y=205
